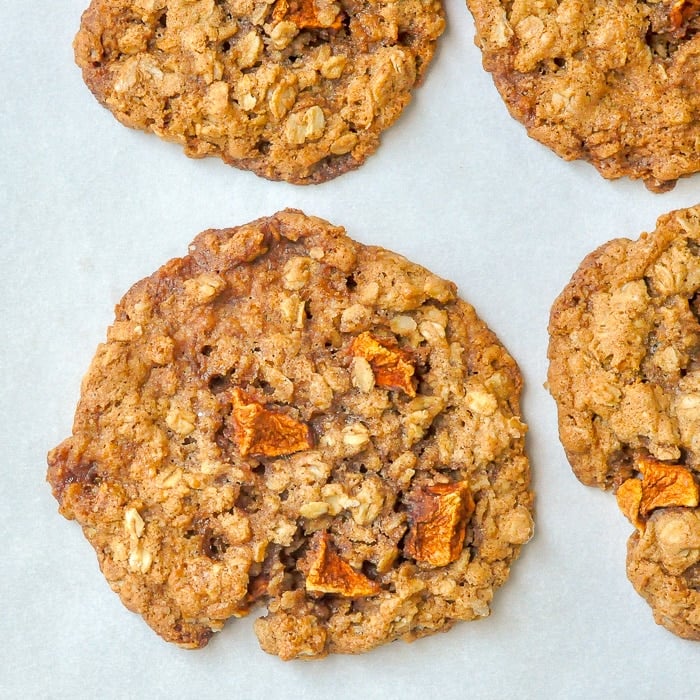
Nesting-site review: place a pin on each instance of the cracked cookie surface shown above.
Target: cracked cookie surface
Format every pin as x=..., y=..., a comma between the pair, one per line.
x=295, y=90
x=613, y=83
x=625, y=372
x=286, y=416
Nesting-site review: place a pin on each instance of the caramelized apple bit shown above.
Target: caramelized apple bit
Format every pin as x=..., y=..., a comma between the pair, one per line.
x=629, y=497
x=665, y=485
x=661, y=486
x=331, y=574
x=682, y=11
x=305, y=15
x=438, y=517
x=392, y=367
x=260, y=431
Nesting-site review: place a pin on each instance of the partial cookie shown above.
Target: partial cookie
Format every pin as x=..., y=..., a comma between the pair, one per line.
x=625, y=372
x=290, y=417
x=613, y=83
x=663, y=563
x=295, y=90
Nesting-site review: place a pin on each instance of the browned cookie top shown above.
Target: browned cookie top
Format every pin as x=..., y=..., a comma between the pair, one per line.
x=288, y=416
x=625, y=372
x=612, y=82
x=295, y=90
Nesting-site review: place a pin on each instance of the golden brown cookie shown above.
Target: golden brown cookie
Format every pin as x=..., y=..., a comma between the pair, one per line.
x=290, y=417
x=613, y=83
x=625, y=372
x=295, y=90
x=663, y=563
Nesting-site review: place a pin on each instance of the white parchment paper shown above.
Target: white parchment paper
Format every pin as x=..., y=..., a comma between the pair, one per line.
x=88, y=207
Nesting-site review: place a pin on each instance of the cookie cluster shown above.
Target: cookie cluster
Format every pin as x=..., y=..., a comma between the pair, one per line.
x=287, y=417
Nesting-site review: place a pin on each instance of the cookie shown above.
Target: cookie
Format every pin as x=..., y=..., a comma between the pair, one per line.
x=612, y=83
x=625, y=372
x=295, y=90
x=286, y=416
x=663, y=564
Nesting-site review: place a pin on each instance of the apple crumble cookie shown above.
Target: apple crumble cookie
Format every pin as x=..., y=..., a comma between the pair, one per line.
x=287, y=416
x=295, y=90
x=611, y=82
x=625, y=372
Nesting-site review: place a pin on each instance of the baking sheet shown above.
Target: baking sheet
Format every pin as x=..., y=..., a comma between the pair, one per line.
x=88, y=207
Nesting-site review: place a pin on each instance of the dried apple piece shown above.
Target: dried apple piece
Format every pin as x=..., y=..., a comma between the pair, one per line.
x=331, y=574
x=682, y=11
x=260, y=431
x=392, y=367
x=629, y=498
x=438, y=517
x=665, y=485
x=305, y=14
x=662, y=486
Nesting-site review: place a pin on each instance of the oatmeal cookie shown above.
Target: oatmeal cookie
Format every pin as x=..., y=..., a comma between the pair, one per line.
x=295, y=90
x=613, y=83
x=625, y=372
x=289, y=417
x=663, y=564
